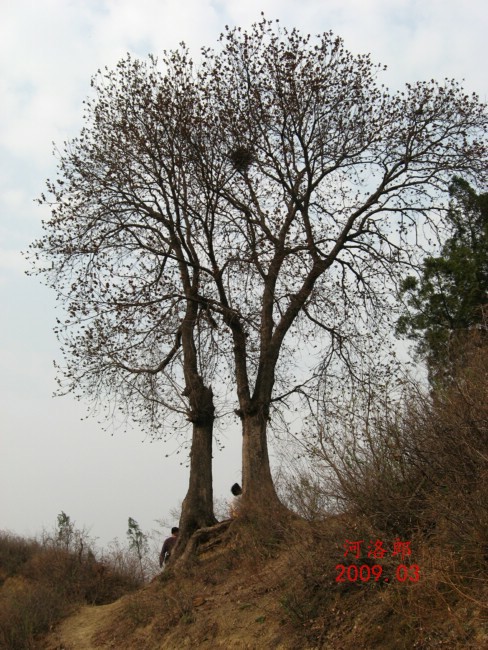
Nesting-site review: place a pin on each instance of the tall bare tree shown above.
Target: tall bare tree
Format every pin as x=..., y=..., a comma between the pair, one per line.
x=230, y=215
x=125, y=262
x=325, y=184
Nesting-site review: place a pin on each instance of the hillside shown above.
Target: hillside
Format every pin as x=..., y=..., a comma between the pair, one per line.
x=404, y=567
x=272, y=585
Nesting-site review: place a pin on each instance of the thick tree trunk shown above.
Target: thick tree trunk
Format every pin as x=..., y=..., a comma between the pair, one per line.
x=258, y=487
x=197, y=509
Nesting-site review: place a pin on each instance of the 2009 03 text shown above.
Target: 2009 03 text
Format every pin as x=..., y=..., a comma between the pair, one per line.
x=353, y=573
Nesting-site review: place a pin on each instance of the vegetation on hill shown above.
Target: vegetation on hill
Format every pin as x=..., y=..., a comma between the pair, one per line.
x=43, y=581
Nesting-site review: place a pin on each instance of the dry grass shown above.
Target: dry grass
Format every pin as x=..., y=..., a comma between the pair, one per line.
x=285, y=596
x=415, y=470
x=41, y=583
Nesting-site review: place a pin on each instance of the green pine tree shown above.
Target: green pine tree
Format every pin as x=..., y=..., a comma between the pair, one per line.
x=447, y=301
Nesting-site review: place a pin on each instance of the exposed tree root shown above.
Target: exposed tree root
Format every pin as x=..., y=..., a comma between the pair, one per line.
x=211, y=536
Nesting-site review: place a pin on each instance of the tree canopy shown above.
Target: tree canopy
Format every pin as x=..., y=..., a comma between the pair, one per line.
x=212, y=222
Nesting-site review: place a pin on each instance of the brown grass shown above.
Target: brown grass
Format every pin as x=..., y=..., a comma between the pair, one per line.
x=41, y=583
x=234, y=597
x=415, y=470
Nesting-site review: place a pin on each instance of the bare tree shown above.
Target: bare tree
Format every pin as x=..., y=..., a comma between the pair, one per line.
x=121, y=243
x=226, y=217
x=325, y=183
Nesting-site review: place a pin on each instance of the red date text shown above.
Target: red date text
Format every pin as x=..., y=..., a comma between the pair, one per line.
x=364, y=573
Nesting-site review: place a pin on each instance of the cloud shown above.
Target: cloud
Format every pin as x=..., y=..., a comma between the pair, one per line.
x=51, y=48
x=149, y=26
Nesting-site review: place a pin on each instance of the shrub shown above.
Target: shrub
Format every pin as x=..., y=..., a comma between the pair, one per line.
x=418, y=467
x=42, y=581
x=26, y=610
x=14, y=553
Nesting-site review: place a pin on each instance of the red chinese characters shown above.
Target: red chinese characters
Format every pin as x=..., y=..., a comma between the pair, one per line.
x=376, y=550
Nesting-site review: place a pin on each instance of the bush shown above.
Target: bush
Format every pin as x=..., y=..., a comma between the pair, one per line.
x=417, y=468
x=26, y=610
x=14, y=553
x=42, y=581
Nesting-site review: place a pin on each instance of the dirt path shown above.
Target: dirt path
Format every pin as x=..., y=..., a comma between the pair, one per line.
x=77, y=631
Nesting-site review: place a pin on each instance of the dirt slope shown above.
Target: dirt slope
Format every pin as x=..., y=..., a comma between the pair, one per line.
x=219, y=608
x=262, y=588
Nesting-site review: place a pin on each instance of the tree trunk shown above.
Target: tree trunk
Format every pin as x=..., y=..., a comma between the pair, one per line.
x=197, y=508
x=258, y=487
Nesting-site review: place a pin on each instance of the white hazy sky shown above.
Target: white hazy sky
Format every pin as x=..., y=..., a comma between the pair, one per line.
x=50, y=460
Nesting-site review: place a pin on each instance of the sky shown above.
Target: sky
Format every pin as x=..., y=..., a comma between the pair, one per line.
x=51, y=458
